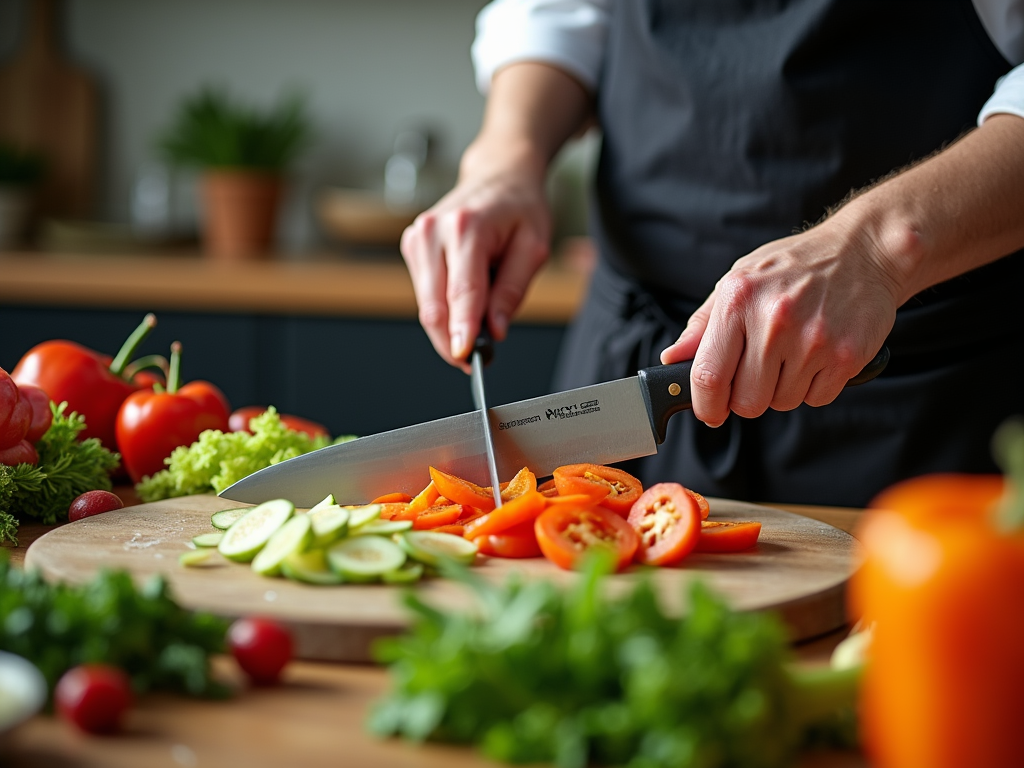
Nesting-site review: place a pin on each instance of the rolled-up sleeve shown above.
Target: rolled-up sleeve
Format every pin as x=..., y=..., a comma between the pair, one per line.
x=1008, y=97
x=569, y=34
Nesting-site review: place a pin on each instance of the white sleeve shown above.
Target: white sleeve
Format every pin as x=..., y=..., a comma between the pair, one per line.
x=1008, y=97
x=567, y=33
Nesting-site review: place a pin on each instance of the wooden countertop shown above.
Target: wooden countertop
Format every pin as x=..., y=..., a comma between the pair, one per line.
x=315, y=718
x=323, y=285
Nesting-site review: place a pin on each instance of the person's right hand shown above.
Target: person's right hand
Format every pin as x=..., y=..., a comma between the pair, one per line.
x=496, y=216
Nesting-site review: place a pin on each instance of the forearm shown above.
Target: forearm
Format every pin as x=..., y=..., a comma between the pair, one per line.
x=532, y=110
x=960, y=209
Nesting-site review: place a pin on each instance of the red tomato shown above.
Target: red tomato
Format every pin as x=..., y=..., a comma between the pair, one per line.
x=667, y=519
x=239, y=421
x=566, y=533
x=94, y=697
x=262, y=648
x=727, y=536
x=620, y=489
x=93, y=503
x=519, y=541
x=14, y=430
x=42, y=416
x=702, y=504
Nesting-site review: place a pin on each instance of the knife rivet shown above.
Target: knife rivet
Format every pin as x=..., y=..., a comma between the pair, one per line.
x=674, y=389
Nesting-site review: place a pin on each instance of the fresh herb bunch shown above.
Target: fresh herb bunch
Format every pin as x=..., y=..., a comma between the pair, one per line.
x=218, y=459
x=211, y=130
x=20, y=167
x=142, y=631
x=67, y=468
x=575, y=678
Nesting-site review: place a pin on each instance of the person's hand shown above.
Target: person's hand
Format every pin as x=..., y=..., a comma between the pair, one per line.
x=790, y=323
x=498, y=216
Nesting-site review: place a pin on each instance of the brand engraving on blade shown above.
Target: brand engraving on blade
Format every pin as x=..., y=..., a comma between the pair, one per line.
x=571, y=411
x=518, y=422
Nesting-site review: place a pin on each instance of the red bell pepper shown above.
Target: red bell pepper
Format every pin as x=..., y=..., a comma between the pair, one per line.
x=93, y=384
x=151, y=424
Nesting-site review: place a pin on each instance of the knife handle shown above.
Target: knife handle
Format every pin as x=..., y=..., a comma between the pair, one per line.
x=666, y=389
x=484, y=344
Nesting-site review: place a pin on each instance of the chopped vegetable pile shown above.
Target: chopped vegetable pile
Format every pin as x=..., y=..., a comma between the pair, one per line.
x=143, y=631
x=576, y=678
x=218, y=459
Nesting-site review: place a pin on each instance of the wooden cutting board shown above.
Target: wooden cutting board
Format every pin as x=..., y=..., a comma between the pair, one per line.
x=49, y=105
x=799, y=568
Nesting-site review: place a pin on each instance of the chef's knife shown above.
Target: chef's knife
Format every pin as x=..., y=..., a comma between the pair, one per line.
x=600, y=424
x=483, y=351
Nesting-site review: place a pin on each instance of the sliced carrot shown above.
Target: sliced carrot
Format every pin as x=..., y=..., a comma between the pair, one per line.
x=393, y=498
x=424, y=499
x=434, y=517
x=390, y=509
x=518, y=510
x=462, y=491
x=454, y=529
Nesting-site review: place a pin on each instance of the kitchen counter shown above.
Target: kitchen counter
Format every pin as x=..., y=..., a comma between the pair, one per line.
x=315, y=718
x=321, y=285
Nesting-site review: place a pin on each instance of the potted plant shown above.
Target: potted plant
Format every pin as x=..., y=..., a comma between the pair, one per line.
x=20, y=172
x=243, y=154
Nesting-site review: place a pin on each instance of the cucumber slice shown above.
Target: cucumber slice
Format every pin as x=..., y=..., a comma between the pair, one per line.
x=208, y=539
x=407, y=574
x=328, y=502
x=383, y=527
x=253, y=530
x=293, y=537
x=364, y=558
x=226, y=517
x=330, y=523
x=431, y=548
x=195, y=557
x=310, y=568
x=358, y=516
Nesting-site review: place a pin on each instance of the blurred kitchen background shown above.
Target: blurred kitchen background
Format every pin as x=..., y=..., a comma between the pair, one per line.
x=388, y=92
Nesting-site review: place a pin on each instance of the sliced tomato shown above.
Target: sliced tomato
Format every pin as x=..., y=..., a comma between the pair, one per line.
x=462, y=491
x=436, y=516
x=516, y=542
x=702, y=504
x=727, y=536
x=391, y=509
x=548, y=487
x=519, y=510
x=524, y=482
x=667, y=519
x=566, y=533
x=393, y=498
x=577, y=499
x=622, y=489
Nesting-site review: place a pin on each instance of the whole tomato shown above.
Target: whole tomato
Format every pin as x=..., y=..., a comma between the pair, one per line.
x=150, y=424
x=240, y=419
x=93, y=697
x=261, y=647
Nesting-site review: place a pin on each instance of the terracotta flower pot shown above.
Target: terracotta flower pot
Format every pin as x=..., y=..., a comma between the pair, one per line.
x=241, y=213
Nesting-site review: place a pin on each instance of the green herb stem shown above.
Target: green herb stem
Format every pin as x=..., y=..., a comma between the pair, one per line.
x=147, y=361
x=174, y=371
x=124, y=355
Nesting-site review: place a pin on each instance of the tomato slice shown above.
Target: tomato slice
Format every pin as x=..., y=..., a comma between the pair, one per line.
x=667, y=519
x=516, y=542
x=622, y=489
x=393, y=498
x=392, y=509
x=548, y=487
x=577, y=499
x=524, y=482
x=519, y=510
x=727, y=536
x=702, y=504
x=462, y=491
x=436, y=516
x=566, y=533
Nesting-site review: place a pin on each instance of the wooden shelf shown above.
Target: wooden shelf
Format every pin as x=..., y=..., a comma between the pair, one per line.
x=323, y=286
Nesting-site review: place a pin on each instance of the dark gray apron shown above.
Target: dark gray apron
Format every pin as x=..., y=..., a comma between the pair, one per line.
x=731, y=123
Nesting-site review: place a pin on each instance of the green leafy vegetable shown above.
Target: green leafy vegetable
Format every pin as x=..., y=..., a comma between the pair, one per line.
x=218, y=459
x=143, y=631
x=67, y=468
x=574, y=678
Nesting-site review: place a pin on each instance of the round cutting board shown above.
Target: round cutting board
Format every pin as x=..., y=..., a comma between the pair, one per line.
x=799, y=568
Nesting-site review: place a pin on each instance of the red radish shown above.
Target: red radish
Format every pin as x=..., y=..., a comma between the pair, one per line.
x=93, y=503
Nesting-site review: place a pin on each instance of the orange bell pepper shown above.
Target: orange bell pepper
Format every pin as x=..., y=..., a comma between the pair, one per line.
x=943, y=583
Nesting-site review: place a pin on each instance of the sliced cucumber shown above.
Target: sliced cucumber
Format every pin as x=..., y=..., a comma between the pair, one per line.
x=431, y=547
x=382, y=527
x=310, y=568
x=328, y=502
x=330, y=523
x=358, y=516
x=365, y=558
x=226, y=517
x=253, y=530
x=208, y=539
x=196, y=557
x=407, y=574
x=293, y=537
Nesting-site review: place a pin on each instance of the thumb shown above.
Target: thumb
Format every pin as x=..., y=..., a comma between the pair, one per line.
x=685, y=347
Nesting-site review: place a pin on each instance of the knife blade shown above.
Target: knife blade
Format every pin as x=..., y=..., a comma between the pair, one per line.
x=483, y=352
x=600, y=424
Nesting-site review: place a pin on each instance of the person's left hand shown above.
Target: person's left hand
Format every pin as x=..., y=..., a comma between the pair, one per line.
x=790, y=323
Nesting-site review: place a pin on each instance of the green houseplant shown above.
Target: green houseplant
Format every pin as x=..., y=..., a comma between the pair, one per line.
x=243, y=154
x=20, y=172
